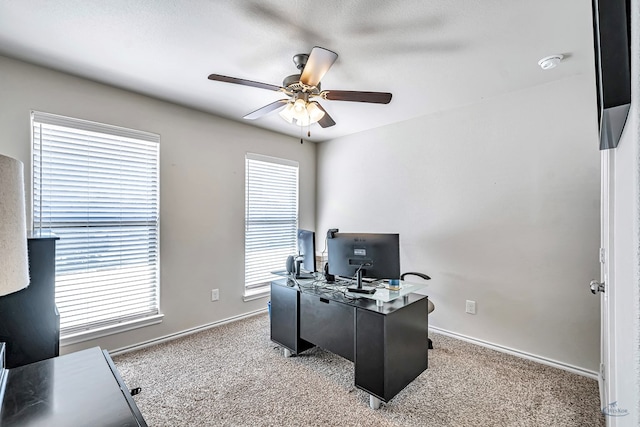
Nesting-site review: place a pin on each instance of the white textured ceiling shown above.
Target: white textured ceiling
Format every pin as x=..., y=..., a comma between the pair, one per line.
x=431, y=55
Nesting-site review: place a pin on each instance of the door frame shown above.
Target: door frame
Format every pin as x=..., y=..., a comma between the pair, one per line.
x=607, y=371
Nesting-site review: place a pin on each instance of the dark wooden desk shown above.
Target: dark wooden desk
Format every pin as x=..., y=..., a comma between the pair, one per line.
x=387, y=343
x=78, y=389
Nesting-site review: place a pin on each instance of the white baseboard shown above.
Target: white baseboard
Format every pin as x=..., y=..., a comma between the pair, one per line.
x=184, y=333
x=518, y=353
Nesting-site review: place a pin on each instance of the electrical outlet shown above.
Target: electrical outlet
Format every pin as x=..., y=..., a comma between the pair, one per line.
x=471, y=307
x=215, y=294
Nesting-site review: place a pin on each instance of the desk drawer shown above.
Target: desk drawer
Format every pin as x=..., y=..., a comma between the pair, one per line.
x=328, y=324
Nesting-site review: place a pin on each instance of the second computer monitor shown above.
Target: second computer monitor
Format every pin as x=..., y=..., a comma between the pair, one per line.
x=307, y=250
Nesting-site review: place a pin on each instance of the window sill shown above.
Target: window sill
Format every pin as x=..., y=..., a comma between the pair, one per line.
x=110, y=330
x=256, y=294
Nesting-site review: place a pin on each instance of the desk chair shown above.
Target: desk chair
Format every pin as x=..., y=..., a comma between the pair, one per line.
x=430, y=306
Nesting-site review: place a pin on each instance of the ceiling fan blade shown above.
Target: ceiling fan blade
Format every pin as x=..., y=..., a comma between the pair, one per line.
x=326, y=120
x=266, y=109
x=319, y=62
x=226, y=79
x=347, y=95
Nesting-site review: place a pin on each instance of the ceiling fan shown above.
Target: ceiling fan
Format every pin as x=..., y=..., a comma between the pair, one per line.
x=301, y=108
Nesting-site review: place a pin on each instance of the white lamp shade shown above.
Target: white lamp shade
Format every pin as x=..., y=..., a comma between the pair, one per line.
x=14, y=262
x=287, y=113
x=302, y=113
x=315, y=113
x=302, y=119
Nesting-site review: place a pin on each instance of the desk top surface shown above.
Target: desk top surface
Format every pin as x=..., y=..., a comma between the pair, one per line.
x=392, y=300
x=78, y=389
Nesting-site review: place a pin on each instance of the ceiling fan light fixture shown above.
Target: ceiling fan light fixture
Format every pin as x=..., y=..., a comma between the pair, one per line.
x=302, y=112
x=303, y=121
x=287, y=113
x=315, y=113
x=299, y=106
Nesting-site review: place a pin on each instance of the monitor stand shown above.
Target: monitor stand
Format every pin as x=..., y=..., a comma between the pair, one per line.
x=299, y=275
x=359, y=289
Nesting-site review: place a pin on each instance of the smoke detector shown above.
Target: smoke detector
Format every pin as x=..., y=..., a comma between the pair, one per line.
x=550, y=62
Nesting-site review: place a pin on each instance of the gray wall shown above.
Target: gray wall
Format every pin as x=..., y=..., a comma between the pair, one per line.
x=498, y=202
x=201, y=187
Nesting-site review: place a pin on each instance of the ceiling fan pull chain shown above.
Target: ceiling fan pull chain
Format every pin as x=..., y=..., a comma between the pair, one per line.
x=301, y=135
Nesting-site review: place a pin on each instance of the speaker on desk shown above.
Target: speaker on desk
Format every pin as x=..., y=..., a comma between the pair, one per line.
x=330, y=278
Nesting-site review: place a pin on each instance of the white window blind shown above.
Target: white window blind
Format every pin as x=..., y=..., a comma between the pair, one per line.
x=96, y=187
x=271, y=218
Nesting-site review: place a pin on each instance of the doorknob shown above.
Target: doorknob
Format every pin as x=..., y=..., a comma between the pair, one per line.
x=596, y=286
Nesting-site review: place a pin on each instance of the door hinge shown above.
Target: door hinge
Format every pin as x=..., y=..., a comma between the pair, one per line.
x=602, y=371
x=603, y=255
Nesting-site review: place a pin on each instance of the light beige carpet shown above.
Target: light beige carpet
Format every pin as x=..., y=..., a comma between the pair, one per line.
x=233, y=375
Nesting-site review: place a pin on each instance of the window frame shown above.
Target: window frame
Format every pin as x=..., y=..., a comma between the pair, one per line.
x=80, y=126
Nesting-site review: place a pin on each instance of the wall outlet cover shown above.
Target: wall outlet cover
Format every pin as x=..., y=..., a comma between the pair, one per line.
x=470, y=307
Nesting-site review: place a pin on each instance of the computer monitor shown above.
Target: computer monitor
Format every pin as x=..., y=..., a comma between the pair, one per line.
x=306, y=259
x=371, y=255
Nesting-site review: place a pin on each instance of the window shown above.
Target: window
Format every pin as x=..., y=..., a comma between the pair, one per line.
x=96, y=187
x=271, y=219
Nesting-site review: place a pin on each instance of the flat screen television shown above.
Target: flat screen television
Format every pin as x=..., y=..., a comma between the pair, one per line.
x=364, y=255
x=306, y=259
